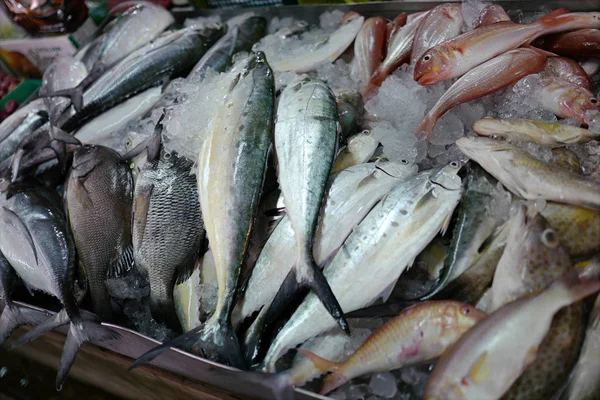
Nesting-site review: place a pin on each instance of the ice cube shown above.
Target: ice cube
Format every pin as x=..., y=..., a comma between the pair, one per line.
x=329, y=19
x=383, y=384
x=471, y=10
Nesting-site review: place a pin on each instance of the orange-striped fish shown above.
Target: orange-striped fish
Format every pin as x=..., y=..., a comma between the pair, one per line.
x=420, y=333
x=490, y=15
x=457, y=56
x=369, y=47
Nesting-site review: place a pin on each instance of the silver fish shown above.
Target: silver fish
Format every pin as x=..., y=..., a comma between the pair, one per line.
x=27, y=127
x=12, y=122
x=394, y=232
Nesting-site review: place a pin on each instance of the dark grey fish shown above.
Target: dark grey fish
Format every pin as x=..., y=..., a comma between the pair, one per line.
x=239, y=37
x=12, y=122
x=168, y=231
x=37, y=244
x=169, y=56
x=30, y=124
x=98, y=199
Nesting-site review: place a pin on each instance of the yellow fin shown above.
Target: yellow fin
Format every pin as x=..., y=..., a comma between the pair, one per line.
x=479, y=371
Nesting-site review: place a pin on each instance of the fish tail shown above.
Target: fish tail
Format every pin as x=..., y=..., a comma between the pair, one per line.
x=332, y=382
x=319, y=362
x=425, y=128
x=559, y=21
x=80, y=332
x=279, y=384
x=100, y=300
x=570, y=288
x=184, y=341
x=75, y=94
x=163, y=310
x=57, y=320
x=219, y=343
x=14, y=316
x=255, y=334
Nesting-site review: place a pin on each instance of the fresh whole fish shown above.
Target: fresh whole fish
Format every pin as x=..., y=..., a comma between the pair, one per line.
x=489, y=77
x=398, y=51
x=584, y=42
x=478, y=213
x=98, y=202
x=231, y=169
x=394, y=25
x=567, y=100
x=440, y=24
x=27, y=127
x=578, y=228
x=565, y=158
x=542, y=132
x=349, y=107
x=585, y=379
x=326, y=51
x=12, y=122
x=351, y=195
x=360, y=149
x=64, y=73
x=569, y=70
x=305, y=145
x=528, y=177
x=168, y=231
x=240, y=37
x=490, y=15
x=457, y=56
x=168, y=56
x=420, y=333
x=591, y=65
x=37, y=244
x=101, y=129
x=394, y=232
x=369, y=47
x=532, y=259
x=491, y=356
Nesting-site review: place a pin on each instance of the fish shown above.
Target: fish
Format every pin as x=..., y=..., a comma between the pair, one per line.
x=360, y=149
x=583, y=42
x=239, y=37
x=168, y=56
x=578, y=228
x=231, y=170
x=13, y=315
x=440, y=24
x=168, y=231
x=63, y=74
x=569, y=70
x=101, y=130
x=419, y=333
x=305, y=143
x=133, y=29
x=369, y=47
x=392, y=234
x=565, y=158
x=542, y=132
x=528, y=177
x=477, y=217
x=37, y=244
x=585, y=378
x=489, y=77
x=323, y=52
x=491, y=356
x=567, y=100
x=398, y=52
x=349, y=107
x=98, y=200
x=351, y=195
x=27, y=126
x=591, y=65
x=455, y=57
x=12, y=122
x=472, y=284
x=490, y=15
x=532, y=259
x=394, y=25
x=293, y=29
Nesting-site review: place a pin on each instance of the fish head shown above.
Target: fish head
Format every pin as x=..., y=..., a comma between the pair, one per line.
x=4, y=180
x=398, y=169
x=492, y=126
x=456, y=319
x=579, y=103
x=88, y=156
x=477, y=148
x=447, y=176
x=433, y=66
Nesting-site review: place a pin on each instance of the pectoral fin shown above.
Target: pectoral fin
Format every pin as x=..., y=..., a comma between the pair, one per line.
x=14, y=220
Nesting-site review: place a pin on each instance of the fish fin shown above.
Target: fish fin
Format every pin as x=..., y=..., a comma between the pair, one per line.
x=80, y=332
x=64, y=137
x=122, y=264
x=387, y=292
x=279, y=384
x=184, y=273
x=554, y=13
x=16, y=164
x=57, y=320
x=141, y=205
x=331, y=382
x=444, y=225
x=550, y=20
x=14, y=316
x=316, y=281
x=162, y=308
x=479, y=371
x=254, y=335
x=13, y=219
x=184, y=341
x=154, y=145
x=275, y=212
x=219, y=343
x=319, y=362
x=75, y=94
x=82, y=194
x=576, y=285
x=425, y=128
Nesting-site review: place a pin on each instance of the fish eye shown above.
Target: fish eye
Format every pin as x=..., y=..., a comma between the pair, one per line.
x=492, y=7
x=454, y=164
x=167, y=156
x=427, y=57
x=549, y=238
x=404, y=162
x=593, y=100
x=465, y=310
